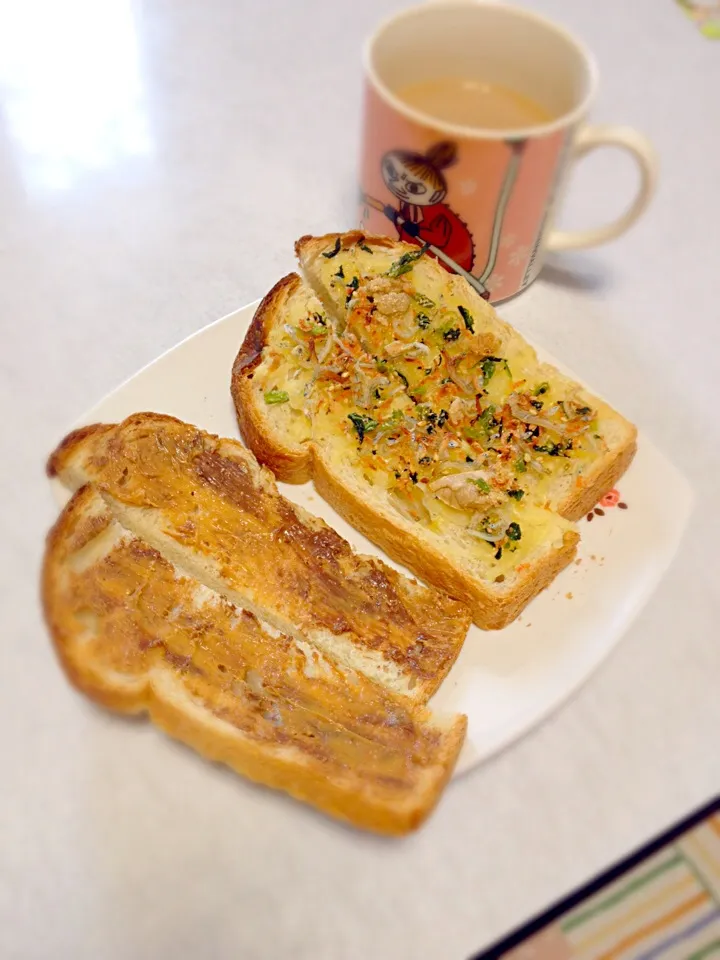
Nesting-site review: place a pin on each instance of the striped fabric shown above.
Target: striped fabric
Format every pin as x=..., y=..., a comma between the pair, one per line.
x=667, y=908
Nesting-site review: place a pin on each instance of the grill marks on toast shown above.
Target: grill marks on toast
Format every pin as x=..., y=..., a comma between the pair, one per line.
x=206, y=504
x=138, y=634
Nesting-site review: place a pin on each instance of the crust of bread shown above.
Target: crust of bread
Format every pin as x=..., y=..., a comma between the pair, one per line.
x=361, y=809
x=60, y=455
x=80, y=674
x=289, y=464
x=605, y=474
x=353, y=797
x=309, y=248
x=492, y=608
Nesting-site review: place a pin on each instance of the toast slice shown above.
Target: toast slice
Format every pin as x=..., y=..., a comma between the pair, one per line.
x=138, y=634
x=298, y=446
x=207, y=506
x=425, y=420
x=535, y=394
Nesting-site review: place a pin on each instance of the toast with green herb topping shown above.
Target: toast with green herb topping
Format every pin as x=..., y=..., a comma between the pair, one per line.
x=425, y=420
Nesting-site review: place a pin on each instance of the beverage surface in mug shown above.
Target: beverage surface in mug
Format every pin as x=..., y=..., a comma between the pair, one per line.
x=473, y=103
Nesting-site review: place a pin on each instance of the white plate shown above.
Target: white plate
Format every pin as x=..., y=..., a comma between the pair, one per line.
x=505, y=681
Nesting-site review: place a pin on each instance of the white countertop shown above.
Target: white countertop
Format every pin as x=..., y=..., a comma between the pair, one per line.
x=157, y=160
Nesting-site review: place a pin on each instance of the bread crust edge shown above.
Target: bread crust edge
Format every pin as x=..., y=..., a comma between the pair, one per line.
x=214, y=742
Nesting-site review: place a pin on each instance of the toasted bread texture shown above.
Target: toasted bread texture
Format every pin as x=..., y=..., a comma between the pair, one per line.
x=138, y=634
x=572, y=492
x=209, y=507
x=381, y=344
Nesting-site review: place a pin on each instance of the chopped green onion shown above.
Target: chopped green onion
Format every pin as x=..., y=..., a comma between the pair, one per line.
x=488, y=369
x=453, y=333
x=406, y=262
x=468, y=318
x=482, y=484
x=277, y=396
x=486, y=417
x=362, y=424
x=424, y=301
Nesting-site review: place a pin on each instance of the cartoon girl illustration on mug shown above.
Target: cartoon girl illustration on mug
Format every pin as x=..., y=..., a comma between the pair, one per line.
x=417, y=181
x=423, y=216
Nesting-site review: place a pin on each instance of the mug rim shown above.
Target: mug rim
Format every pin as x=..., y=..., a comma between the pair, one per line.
x=567, y=119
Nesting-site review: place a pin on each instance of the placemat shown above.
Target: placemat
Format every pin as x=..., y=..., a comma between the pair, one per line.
x=660, y=903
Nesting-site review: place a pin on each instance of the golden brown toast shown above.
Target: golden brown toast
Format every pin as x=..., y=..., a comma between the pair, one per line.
x=425, y=420
x=208, y=506
x=138, y=634
x=575, y=478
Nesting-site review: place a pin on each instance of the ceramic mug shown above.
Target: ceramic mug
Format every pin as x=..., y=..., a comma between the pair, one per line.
x=483, y=200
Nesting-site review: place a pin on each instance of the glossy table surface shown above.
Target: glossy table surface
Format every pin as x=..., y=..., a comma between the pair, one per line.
x=157, y=161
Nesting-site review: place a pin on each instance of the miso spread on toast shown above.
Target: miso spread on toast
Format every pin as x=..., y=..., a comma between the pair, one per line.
x=178, y=582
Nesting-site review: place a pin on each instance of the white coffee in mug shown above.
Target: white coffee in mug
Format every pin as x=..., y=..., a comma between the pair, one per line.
x=474, y=103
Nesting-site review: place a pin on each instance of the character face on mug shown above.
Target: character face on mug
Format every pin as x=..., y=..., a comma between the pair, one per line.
x=415, y=177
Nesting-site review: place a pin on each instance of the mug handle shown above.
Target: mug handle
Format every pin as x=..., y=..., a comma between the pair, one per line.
x=643, y=152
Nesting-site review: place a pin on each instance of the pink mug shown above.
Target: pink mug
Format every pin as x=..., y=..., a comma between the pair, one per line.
x=483, y=200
